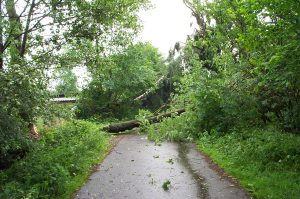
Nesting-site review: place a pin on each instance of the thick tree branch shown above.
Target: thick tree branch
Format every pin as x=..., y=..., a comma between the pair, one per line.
x=199, y=17
x=128, y=125
x=11, y=3
x=25, y=36
x=15, y=24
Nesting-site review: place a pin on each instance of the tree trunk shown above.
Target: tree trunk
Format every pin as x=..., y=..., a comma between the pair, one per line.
x=128, y=125
x=15, y=29
x=33, y=133
x=22, y=49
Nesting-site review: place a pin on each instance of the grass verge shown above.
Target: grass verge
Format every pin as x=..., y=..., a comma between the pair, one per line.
x=58, y=164
x=266, y=162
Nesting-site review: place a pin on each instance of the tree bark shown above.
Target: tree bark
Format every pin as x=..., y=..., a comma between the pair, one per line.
x=200, y=18
x=25, y=36
x=33, y=133
x=15, y=28
x=128, y=125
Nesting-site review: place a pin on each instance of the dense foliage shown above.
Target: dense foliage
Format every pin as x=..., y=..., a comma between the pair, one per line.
x=119, y=80
x=21, y=99
x=57, y=164
x=243, y=65
x=13, y=144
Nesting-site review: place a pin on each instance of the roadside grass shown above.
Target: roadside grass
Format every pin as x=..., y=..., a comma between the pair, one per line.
x=58, y=164
x=266, y=162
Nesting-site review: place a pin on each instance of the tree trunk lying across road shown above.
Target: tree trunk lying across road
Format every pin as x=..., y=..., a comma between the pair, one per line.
x=128, y=125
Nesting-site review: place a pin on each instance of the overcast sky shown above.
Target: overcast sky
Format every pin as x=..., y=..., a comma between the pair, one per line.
x=166, y=24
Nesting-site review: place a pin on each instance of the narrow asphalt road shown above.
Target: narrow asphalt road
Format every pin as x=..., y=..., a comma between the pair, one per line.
x=137, y=169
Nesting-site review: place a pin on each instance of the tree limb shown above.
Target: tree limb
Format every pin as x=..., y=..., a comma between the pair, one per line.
x=25, y=36
x=128, y=125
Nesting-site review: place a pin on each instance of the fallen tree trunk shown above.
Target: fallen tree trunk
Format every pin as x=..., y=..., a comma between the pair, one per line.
x=128, y=125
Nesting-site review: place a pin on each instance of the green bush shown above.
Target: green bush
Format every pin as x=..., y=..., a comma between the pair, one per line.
x=96, y=102
x=217, y=107
x=58, y=163
x=14, y=143
x=172, y=129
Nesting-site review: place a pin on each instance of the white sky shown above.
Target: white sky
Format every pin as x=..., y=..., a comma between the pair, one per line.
x=166, y=24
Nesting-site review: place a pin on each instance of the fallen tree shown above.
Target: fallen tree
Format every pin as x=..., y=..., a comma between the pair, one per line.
x=128, y=125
